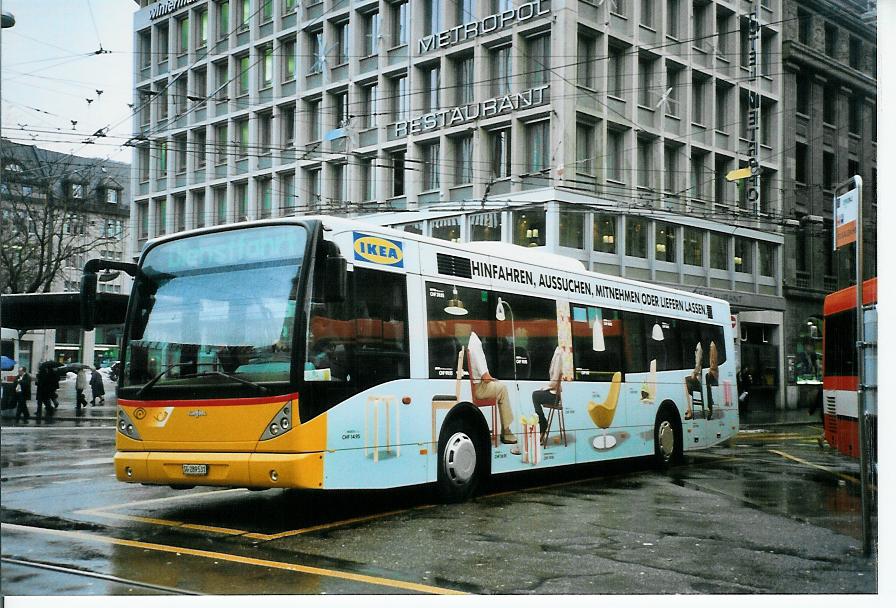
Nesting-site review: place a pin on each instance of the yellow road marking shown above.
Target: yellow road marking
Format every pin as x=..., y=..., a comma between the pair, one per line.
x=343, y=522
x=771, y=436
x=325, y=572
x=843, y=476
x=166, y=522
x=148, y=501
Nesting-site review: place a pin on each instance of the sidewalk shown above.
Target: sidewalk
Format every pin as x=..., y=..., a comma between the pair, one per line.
x=105, y=411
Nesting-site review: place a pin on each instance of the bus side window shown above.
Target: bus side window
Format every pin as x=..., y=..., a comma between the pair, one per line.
x=381, y=327
x=635, y=332
x=596, y=365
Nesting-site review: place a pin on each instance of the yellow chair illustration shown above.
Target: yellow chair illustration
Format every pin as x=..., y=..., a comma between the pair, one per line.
x=602, y=413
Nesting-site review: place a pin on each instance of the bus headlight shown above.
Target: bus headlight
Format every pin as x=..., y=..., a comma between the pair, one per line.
x=279, y=424
x=126, y=427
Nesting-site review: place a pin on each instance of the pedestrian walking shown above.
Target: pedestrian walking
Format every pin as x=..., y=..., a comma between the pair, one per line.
x=81, y=383
x=22, y=389
x=96, y=388
x=47, y=382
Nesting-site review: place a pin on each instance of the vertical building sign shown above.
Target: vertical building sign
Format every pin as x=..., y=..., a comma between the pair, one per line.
x=752, y=182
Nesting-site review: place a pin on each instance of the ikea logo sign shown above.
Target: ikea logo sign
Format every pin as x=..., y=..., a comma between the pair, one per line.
x=377, y=250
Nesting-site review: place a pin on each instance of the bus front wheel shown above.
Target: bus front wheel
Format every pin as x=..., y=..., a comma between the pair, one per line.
x=667, y=438
x=461, y=457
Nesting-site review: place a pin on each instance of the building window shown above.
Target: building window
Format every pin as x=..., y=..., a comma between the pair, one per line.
x=241, y=198
x=161, y=216
x=698, y=172
x=463, y=155
x=265, y=203
x=528, y=227
x=572, y=227
x=162, y=158
x=144, y=44
x=371, y=33
x=722, y=98
x=701, y=14
x=693, y=246
x=805, y=25
x=221, y=144
x=342, y=42
x=288, y=49
x=432, y=17
x=802, y=162
x=743, y=255
x=485, y=227
x=539, y=52
x=180, y=154
x=288, y=124
x=221, y=81
x=645, y=82
x=855, y=115
x=855, y=53
x=180, y=213
x=244, y=14
x=400, y=23
x=604, y=233
x=265, y=128
x=830, y=39
x=199, y=209
x=827, y=170
x=142, y=221
x=316, y=52
x=647, y=17
x=615, y=155
x=673, y=18
x=400, y=99
x=616, y=72
x=314, y=198
x=289, y=6
x=585, y=61
x=143, y=162
x=367, y=176
x=500, y=148
x=718, y=251
x=432, y=85
x=220, y=195
x=670, y=170
x=665, y=245
x=183, y=37
x=223, y=19
x=112, y=196
x=635, y=237
x=538, y=141
x=368, y=105
x=430, y=166
x=340, y=105
x=180, y=95
x=287, y=191
x=397, y=163
x=646, y=169
x=267, y=10
x=242, y=137
x=447, y=229
x=314, y=120
x=243, y=80
x=699, y=102
x=267, y=66
x=463, y=76
x=162, y=41
x=828, y=103
x=767, y=261
x=585, y=149
x=466, y=11
x=500, y=73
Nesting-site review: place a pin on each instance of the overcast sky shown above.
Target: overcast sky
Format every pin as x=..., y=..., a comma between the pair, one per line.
x=49, y=70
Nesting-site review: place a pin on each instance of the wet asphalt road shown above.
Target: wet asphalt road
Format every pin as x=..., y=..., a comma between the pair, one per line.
x=773, y=513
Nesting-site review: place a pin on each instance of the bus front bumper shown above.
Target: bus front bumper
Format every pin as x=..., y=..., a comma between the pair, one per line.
x=257, y=470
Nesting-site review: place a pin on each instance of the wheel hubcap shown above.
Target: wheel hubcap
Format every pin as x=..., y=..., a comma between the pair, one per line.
x=460, y=458
x=666, y=439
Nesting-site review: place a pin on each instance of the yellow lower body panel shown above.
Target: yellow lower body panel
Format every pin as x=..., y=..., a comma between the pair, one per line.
x=223, y=469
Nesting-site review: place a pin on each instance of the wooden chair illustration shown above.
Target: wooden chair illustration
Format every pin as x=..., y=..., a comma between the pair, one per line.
x=446, y=402
x=492, y=403
x=602, y=413
x=557, y=406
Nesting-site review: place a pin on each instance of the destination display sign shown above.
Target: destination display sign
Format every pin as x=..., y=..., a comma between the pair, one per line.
x=596, y=288
x=496, y=106
x=492, y=23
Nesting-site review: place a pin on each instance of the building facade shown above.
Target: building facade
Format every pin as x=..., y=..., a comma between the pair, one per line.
x=602, y=129
x=62, y=210
x=830, y=80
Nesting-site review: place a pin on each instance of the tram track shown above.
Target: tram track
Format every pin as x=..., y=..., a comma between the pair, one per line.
x=93, y=574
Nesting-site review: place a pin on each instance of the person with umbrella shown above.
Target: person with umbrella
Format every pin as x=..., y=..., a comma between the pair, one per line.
x=96, y=388
x=47, y=385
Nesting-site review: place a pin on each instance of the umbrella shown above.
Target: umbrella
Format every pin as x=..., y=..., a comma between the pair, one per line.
x=6, y=363
x=71, y=367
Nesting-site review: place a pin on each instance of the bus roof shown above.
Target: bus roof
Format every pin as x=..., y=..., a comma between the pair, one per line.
x=845, y=299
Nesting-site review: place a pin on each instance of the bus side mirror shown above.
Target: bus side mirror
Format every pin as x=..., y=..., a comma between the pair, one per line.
x=335, y=279
x=88, y=299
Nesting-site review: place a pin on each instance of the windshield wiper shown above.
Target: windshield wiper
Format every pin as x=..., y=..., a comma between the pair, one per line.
x=158, y=377
x=262, y=389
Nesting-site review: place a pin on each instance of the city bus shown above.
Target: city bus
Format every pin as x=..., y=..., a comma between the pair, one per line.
x=327, y=353
x=840, y=369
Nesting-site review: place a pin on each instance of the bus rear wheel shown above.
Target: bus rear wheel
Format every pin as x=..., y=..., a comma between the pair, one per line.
x=461, y=461
x=667, y=441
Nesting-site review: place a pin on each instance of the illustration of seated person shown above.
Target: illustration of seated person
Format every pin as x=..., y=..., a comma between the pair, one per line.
x=485, y=387
x=602, y=414
x=445, y=401
x=549, y=395
x=712, y=377
x=693, y=385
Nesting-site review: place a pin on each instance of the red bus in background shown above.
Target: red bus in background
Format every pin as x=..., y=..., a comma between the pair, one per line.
x=841, y=379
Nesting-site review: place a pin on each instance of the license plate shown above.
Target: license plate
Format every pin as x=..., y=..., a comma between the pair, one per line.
x=195, y=469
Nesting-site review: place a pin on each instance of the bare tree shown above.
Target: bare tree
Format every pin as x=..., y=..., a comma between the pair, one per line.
x=53, y=215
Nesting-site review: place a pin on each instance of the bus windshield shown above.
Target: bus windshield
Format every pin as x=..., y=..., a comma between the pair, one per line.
x=216, y=310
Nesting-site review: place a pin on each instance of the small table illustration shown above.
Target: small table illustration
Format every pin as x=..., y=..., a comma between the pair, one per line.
x=372, y=406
